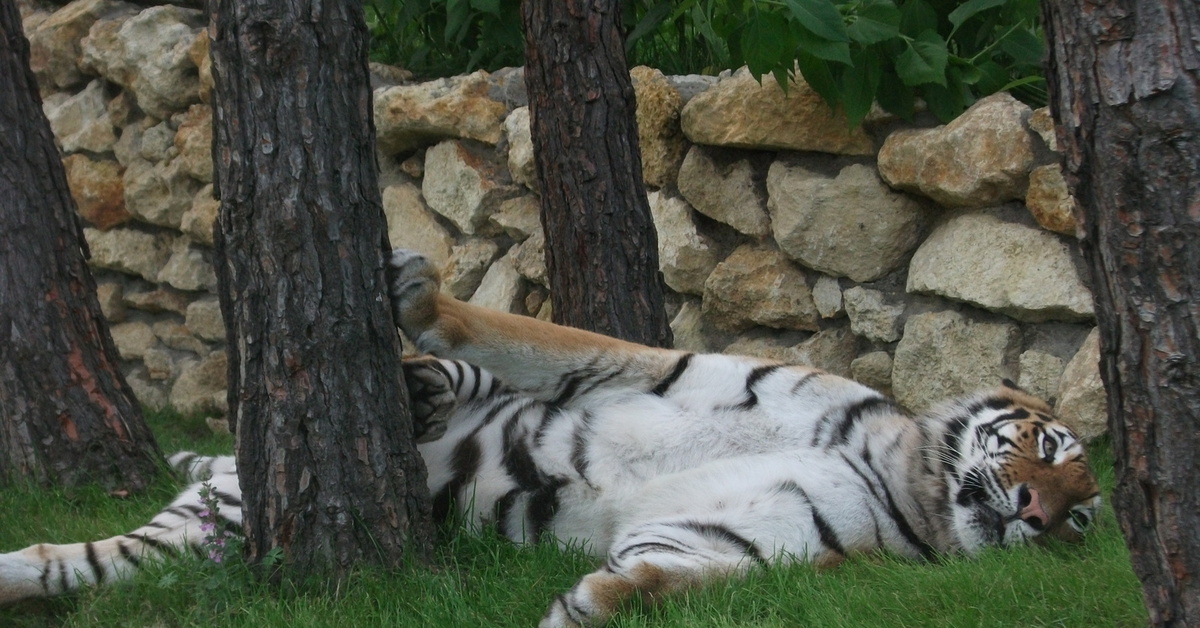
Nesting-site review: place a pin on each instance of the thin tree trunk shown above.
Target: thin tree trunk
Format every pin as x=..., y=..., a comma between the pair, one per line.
x=601, y=247
x=67, y=416
x=329, y=471
x=1124, y=88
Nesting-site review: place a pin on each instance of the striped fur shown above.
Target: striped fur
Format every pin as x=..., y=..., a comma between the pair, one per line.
x=673, y=468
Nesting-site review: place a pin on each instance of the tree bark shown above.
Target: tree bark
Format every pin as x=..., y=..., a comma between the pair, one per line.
x=67, y=416
x=329, y=472
x=601, y=247
x=1124, y=87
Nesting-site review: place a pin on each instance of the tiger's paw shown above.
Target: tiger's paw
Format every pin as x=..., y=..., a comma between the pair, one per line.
x=413, y=285
x=433, y=397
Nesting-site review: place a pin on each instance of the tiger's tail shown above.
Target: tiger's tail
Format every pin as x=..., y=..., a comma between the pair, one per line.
x=47, y=569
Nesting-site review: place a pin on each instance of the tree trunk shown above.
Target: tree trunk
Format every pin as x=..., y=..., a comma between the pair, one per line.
x=601, y=248
x=1124, y=89
x=329, y=471
x=67, y=416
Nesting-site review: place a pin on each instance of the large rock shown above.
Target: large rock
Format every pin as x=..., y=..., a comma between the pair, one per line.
x=727, y=186
x=872, y=315
x=685, y=255
x=873, y=369
x=197, y=222
x=129, y=251
x=148, y=54
x=80, y=122
x=1082, y=402
x=501, y=287
x=159, y=193
x=412, y=226
x=741, y=112
x=831, y=350
x=520, y=148
x=768, y=344
x=97, y=189
x=990, y=259
x=529, y=258
x=827, y=295
x=1040, y=374
x=200, y=387
x=204, y=320
x=411, y=116
x=757, y=285
x=464, y=184
x=193, y=140
x=149, y=393
x=851, y=225
x=468, y=263
x=1049, y=200
x=188, y=268
x=948, y=354
x=158, y=300
x=179, y=337
x=519, y=218
x=981, y=158
x=1042, y=123
x=133, y=339
x=198, y=53
x=111, y=296
x=54, y=43
x=660, y=137
x=687, y=328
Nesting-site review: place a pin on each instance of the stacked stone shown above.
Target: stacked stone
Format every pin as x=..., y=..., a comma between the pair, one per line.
x=920, y=259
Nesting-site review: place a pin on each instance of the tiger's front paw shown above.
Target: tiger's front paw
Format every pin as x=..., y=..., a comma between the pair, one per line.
x=433, y=397
x=413, y=285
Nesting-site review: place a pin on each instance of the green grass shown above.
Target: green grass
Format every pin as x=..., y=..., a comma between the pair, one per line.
x=484, y=581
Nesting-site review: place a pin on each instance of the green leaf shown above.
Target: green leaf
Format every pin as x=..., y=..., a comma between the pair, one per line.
x=970, y=74
x=970, y=8
x=859, y=83
x=924, y=61
x=817, y=73
x=649, y=23
x=876, y=21
x=457, y=14
x=782, y=79
x=822, y=48
x=820, y=17
x=1023, y=46
x=766, y=42
x=917, y=16
x=894, y=96
x=946, y=102
x=491, y=7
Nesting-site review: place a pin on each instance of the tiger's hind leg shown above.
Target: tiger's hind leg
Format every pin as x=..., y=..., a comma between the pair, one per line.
x=651, y=561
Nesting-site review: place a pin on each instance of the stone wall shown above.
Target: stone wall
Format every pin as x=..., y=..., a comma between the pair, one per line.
x=923, y=260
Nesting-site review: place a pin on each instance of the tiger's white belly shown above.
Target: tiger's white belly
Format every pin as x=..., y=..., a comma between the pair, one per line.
x=632, y=458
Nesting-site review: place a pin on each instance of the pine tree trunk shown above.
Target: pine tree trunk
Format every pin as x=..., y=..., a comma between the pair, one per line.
x=1124, y=88
x=329, y=471
x=601, y=247
x=67, y=416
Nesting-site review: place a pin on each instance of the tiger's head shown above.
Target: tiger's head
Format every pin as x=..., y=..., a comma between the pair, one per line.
x=1011, y=472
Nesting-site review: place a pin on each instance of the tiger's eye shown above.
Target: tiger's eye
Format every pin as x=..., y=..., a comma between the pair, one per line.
x=1050, y=447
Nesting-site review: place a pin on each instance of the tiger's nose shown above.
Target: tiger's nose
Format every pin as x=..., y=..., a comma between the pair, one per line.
x=1030, y=509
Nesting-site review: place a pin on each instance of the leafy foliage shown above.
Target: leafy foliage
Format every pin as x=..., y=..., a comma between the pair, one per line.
x=852, y=53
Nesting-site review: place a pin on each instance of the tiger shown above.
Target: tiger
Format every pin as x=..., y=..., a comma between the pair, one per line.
x=671, y=468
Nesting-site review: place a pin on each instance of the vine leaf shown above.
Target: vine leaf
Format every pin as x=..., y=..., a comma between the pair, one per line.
x=820, y=17
x=924, y=60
